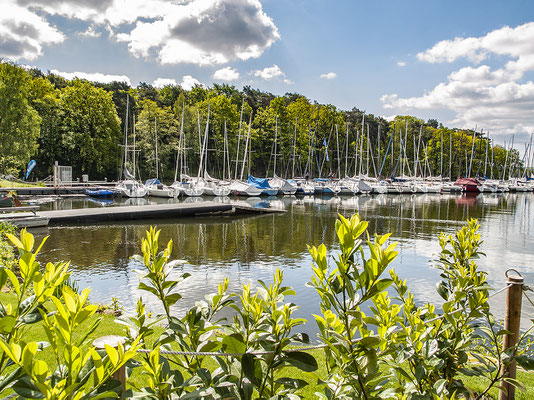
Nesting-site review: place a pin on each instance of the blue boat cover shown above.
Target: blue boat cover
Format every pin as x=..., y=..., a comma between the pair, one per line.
x=153, y=181
x=99, y=193
x=259, y=182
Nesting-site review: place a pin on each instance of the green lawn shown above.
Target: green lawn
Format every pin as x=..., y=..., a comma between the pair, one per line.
x=11, y=184
x=110, y=327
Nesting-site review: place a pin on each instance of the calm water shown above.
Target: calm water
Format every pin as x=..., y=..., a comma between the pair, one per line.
x=250, y=248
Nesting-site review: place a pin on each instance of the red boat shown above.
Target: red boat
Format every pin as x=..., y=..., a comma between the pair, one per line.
x=470, y=185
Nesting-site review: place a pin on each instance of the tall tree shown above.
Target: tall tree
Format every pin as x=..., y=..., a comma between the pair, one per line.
x=90, y=130
x=19, y=122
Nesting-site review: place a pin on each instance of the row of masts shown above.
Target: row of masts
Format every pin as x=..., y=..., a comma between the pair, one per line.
x=366, y=160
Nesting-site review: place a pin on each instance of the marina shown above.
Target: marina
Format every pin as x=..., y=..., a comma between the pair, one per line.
x=246, y=249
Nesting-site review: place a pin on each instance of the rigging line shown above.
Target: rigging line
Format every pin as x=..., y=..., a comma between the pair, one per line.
x=528, y=298
x=500, y=291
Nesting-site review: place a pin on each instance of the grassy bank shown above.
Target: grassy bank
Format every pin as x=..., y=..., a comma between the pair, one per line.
x=108, y=326
x=13, y=184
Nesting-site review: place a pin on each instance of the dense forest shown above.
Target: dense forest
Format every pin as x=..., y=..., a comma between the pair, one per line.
x=84, y=124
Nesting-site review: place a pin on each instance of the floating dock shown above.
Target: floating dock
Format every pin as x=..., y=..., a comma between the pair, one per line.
x=159, y=211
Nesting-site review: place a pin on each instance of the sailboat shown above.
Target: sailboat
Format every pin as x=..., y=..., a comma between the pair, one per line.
x=185, y=186
x=130, y=187
x=283, y=186
x=238, y=187
x=155, y=187
x=216, y=187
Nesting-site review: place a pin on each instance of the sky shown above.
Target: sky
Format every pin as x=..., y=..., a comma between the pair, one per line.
x=465, y=63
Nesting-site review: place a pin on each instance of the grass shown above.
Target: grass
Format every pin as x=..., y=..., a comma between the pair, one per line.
x=15, y=184
x=108, y=326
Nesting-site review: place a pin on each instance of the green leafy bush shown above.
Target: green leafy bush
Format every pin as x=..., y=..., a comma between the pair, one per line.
x=377, y=341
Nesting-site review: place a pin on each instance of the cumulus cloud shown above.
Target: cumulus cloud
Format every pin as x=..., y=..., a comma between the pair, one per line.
x=401, y=64
x=202, y=32
x=162, y=82
x=329, y=75
x=227, y=74
x=288, y=82
x=493, y=97
x=92, y=76
x=188, y=82
x=23, y=34
x=269, y=73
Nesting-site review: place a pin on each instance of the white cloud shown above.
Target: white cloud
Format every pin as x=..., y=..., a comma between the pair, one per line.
x=494, y=98
x=90, y=32
x=92, y=76
x=514, y=42
x=269, y=72
x=288, y=82
x=227, y=74
x=162, y=82
x=23, y=33
x=188, y=82
x=329, y=75
x=401, y=64
x=202, y=32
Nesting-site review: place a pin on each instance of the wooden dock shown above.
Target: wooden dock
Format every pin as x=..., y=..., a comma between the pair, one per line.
x=158, y=211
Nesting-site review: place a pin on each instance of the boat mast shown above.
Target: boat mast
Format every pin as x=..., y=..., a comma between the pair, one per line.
x=294, y=148
x=346, y=149
x=246, y=149
x=203, y=152
x=179, y=155
x=134, y=146
x=441, y=156
x=368, y=143
x=472, y=154
x=156, y=138
x=356, y=152
x=362, y=130
x=126, y=135
x=506, y=159
x=224, y=152
x=239, y=139
x=275, y=144
x=378, y=145
x=486, y=157
x=338, y=156
x=450, y=155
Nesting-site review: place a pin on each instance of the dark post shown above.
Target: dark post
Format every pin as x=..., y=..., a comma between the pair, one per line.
x=113, y=341
x=512, y=320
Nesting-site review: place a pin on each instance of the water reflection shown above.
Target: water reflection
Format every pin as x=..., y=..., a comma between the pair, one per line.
x=247, y=249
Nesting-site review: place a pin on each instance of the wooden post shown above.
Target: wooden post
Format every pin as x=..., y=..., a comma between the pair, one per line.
x=113, y=341
x=512, y=320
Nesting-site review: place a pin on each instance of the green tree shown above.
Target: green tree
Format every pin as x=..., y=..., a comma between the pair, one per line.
x=163, y=119
x=90, y=130
x=19, y=122
x=44, y=98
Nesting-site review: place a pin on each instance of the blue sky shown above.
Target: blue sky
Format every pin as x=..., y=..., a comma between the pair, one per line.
x=384, y=57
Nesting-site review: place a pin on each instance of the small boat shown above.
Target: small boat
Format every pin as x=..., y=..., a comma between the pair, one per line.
x=325, y=186
x=158, y=189
x=131, y=188
x=284, y=186
x=263, y=185
x=100, y=193
x=303, y=186
x=470, y=185
x=244, y=189
x=190, y=187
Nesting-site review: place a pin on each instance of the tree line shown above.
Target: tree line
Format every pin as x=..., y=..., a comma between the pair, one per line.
x=83, y=124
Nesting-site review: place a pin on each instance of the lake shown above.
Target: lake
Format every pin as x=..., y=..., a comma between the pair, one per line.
x=245, y=249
